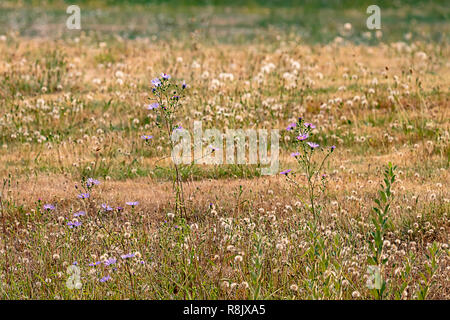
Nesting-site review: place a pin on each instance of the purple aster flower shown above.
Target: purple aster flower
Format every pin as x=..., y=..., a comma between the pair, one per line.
x=79, y=213
x=49, y=207
x=291, y=126
x=146, y=137
x=110, y=261
x=104, y=279
x=75, y=263
x=152, y=106
x=84, y=195
x=295, y=154
x=93, y=264
x=310, y=125
x=285, y=172
x=165, y=76
x=128, y=255
x=312, y=145
x=333, y=147
x=106, y=207
x=132, y=203
x=72, y=224
x=119, y=209
x=91, y=182
x=184, y=85
x=156, y=82
x=303, y=137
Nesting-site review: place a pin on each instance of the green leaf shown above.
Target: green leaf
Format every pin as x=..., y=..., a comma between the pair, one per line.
x=382, y=195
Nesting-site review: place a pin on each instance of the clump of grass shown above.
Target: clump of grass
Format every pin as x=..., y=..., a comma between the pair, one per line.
x=431, y=267
x=46, y=75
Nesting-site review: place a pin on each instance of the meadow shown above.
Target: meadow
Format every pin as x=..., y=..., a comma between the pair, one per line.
x=92, y=207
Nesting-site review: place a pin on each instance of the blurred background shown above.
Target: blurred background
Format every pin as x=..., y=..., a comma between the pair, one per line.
x=231, y=21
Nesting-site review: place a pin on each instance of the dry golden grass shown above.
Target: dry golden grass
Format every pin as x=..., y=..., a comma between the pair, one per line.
x=83, y=117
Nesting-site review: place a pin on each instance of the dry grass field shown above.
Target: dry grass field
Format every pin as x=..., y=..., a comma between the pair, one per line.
x=74, y=108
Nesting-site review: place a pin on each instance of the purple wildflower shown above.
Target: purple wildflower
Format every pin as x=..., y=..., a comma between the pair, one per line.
x=106, y=207
x=310, y=125
x=312, y=145
x=84, y=195
x=303, y=137
x=79, y=213
x=90, y=182
x=72, y=224
x=146, y=137
x=49, y=207
x=285, y=172
x=104, y=279
x=93, y=264
x=165, y=76
x=184, y=85
x=333, y=147
x=119, y=209
x=128, y=255
x=110, y=261
x=291, y=126
x=132, y=203
x=156, y=82
x=152, y=106
x=295, y=154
